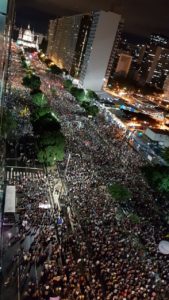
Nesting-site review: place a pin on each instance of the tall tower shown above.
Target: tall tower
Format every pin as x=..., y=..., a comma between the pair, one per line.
x=83, y=45
x=99, y=47
x=154, y=66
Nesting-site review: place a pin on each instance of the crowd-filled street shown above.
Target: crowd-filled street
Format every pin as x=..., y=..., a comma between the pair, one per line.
x=89, y=249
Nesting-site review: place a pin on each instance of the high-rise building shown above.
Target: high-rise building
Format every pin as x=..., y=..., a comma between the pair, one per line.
x=62, y=40
x=166, y=88
x=123, y=65
x=135, y=51
x=154, y=67
x=158, y=40
x=153, y=61
x=7, y=9
x=85, y=45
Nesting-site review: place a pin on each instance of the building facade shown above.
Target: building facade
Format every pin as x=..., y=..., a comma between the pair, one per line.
x=26, y=39
x=62, y=40
x=166, y=88
x=85, y=45
x=7, y=14
x=154, y=65
x=123, y=65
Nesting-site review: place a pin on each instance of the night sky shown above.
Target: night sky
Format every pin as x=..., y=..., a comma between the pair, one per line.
x=142, y=17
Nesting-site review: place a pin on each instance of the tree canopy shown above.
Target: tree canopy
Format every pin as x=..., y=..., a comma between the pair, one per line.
x=51, y=148
x=90, y=108
x=119, y=192
x=48, y=121
x=91, y=95
x=134, y=218
x=158, y=177
x=55, y=69
x=39, y=99
x=68, y=84
x=79, y=94
x=52, y=138
x=32, y=81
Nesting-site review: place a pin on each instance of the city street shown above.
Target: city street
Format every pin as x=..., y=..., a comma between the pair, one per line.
x=71, y=239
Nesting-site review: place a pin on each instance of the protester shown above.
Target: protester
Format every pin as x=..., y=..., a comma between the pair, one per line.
x=94, y=254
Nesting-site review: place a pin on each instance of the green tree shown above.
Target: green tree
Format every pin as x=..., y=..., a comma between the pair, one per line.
x=158, y=177
x=119, y=192
x=50, y=153
x=134, y=218
x=90, y=109
x=51, y=139
x=164, y=184
x=39, y=99
x=68, y=84
x=32, y=81
x=79, y=94
x=48, y=120
x=91, y=95
x=55, y=70
x=24, y=64
x=41, y=112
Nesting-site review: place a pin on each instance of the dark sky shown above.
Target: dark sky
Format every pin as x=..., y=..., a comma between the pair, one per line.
x=142, y=17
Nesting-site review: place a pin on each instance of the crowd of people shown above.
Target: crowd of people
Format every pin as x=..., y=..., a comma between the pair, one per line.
x=97, y=252
x=126, y=253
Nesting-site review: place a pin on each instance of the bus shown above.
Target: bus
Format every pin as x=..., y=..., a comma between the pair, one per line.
x=9, y=205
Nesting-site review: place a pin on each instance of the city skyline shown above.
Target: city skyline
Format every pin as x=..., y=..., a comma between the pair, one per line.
x=138, y=20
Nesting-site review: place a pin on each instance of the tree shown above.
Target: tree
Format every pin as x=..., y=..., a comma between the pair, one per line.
x=68, y=84
x=134, y=218
x=119, y=192
x=91, y=95
x=49, y=153
x=79, y=94
x=41, y=112
x=90, y=109
x=51, y=139
x=24, y=64
x=55, y=70
x=49, y=121
x=39, y=99
x=8, y=122
x=164, y=184
x=158, y=177
x=32, y=81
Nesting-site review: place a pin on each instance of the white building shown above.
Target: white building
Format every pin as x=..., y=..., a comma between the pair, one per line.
x=99, y=49
x=27, y=39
